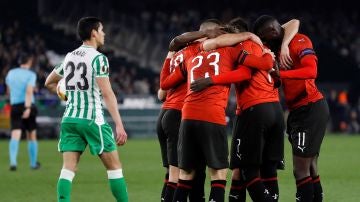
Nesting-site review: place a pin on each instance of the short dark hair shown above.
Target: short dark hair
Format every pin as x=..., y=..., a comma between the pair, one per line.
x=212, y=20
x=239, y=24
x=210, y=24
x=86, y=25
x=261, y=21
x=24, y=57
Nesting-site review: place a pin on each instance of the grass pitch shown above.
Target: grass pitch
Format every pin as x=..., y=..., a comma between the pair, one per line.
x=339, y=165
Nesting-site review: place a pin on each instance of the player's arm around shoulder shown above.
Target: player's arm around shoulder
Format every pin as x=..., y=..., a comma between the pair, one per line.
x=291, y=28
x=229, y=39
x=184, y=39
x=111, y=103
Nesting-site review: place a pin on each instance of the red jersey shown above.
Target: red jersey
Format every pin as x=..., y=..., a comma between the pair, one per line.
x=260, y=88
x=176, y=95
x=209, y=105
x=172, y=77
x=299, y=81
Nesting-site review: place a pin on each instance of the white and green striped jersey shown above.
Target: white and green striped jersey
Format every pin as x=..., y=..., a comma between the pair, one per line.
x=80, y=68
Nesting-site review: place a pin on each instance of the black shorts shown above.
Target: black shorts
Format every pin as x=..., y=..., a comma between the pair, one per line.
x=168, y=125
x=258, y=136
x=162, y=138
x=171, y=124
x=306, y=128
x=17, y=122
x=201, y=143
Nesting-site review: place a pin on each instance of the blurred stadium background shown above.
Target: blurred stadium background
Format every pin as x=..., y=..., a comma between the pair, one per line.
x=138, y=34
x=137, y=37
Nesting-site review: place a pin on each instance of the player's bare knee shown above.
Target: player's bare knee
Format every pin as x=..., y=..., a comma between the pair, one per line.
x=16, y=134
x=301, y=172
x=314, y=168
x=32, y=136
x=236, y=174
x=110, y=160
x=218, y=174
x=71, y=167
x=186, y=174
x=174, y=174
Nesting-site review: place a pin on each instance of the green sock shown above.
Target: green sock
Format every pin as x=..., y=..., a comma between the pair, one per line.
x=118, y=189
x=63, y=190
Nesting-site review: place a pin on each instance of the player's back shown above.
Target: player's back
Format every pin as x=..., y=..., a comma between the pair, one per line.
x=209, y=104
x=260, y=88
x=80, y=69
x=17, y=81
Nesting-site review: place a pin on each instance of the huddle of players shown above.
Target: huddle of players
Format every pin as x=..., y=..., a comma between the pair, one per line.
x=195, y=83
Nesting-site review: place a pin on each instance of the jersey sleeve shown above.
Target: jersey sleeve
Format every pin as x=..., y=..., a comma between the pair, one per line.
x=236, y=51
x=32, y=80
x=59, y=69
x=252, y=56
x=173, y=79
x=302, y=46
x=101, y=66
x=306, y=70
x=241, y=73
x=171, y=67
x=165, y=70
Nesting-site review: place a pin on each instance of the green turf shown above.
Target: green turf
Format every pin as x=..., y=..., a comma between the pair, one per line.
x=339, y=168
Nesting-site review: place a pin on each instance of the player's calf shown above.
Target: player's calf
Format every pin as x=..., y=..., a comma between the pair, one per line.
x=269, y=178
x=218, y=184
x=238, y=187
x=255, y=186
x=64, y=185
x=118, y=185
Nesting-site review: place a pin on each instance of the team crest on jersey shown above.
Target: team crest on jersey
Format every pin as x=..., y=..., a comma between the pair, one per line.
x=105, y=69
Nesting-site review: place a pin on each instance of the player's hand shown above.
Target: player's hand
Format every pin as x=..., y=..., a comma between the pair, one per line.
x=275, y=72
x=213, y=33
x=256, y=39
x=285, y=59
x=268, y=51
x=200, y=84
x=121, y=135
x=26, y=113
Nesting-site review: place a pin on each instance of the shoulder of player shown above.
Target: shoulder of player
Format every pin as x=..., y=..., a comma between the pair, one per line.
x=179, y=52
x=29, y=72
x=194, y=45
x=9, y=74
x=247, y=44
x=300, y=38
x=190, y=49
x=99, y=56
x=250, y=47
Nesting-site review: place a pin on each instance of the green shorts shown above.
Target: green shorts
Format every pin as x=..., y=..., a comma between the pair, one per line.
x=75, y=136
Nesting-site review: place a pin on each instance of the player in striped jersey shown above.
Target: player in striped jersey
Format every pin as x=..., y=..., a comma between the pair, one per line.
x=86, y=74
